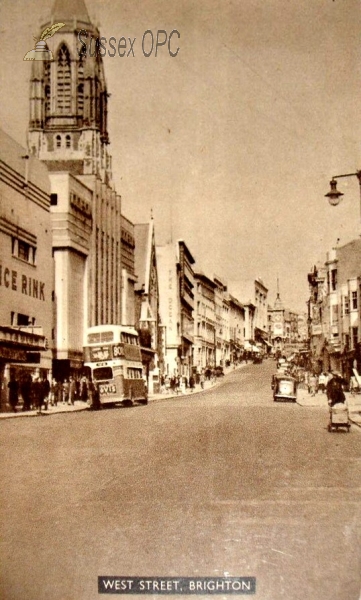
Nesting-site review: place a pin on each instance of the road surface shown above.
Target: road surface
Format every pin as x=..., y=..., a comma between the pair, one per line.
x=226, y=482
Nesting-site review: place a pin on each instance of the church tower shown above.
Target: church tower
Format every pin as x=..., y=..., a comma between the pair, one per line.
x=92, y=241
x=68, y=98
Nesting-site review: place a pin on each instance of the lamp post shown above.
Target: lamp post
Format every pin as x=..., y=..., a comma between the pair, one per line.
x=334, y=196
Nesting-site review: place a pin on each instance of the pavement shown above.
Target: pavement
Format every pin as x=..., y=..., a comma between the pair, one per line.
x=79, y=405
x=320, y=400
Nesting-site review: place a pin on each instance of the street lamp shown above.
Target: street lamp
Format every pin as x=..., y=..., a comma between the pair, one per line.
x=334, y=196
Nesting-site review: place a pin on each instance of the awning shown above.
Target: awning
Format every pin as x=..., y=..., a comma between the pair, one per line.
x=21, y=344
x=22, y=338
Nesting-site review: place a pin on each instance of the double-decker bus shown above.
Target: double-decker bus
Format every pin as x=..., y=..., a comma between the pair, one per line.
x=112, y=352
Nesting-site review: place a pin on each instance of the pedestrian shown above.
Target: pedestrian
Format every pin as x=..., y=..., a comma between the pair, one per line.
x=58, y=395
x=335, y=393
x=322, y=382
x=202, y=379
x=36, y=394
x=353, y=385
x=312, y=385
x=45, y=391
x=13, y=393
x=53, y=391
x=84, y=389
x=94, y=395
x=191, y=383
x=25, y=391
x=66, y=389
x=77, y=388
x=72, y=390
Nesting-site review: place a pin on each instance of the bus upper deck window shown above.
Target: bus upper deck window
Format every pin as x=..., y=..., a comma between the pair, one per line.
x=107, y=336
x=93, y=338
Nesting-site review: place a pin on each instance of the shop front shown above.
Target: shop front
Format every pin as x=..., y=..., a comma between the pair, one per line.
x=20, y=358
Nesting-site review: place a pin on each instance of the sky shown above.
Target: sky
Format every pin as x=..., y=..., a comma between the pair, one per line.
x=232, y=143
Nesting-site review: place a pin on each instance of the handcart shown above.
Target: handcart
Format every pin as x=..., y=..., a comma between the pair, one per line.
x=339, y=417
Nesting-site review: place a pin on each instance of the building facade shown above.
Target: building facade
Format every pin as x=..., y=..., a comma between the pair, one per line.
x=261, y=303
x=222, y=339
x=176, y=292
x=334, y=310
x=204, y=322
x=26, y=267
x=237, y=328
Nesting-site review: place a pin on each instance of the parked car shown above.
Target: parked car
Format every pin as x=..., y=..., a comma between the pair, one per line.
x=284, y=387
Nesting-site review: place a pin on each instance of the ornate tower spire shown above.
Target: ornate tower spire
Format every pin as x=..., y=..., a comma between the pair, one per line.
x=278, y=302
x=75, y=9
x=68, y=98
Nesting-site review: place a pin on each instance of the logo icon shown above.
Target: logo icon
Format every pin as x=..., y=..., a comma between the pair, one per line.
x=41, y=50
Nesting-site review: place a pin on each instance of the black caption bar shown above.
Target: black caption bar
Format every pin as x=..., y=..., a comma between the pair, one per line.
x=176, y=585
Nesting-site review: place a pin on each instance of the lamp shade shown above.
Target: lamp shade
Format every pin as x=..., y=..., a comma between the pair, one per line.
x=334, y=196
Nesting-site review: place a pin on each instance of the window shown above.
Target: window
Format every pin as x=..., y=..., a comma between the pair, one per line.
x=134, y=373
x=63, y=83
x=103, y=373
x=53, y=199
x=129, y=339
x=334, y=309
x=58, y=141
x=354, y=300
x=354, y=336
x=103, y=336
x=80, y=99
x=80, y=89
x=67, y=141
x=333, y=280
x=23, y=250
x=346, y=305
x=47, y=89
x=47, y=99
x=21, y=320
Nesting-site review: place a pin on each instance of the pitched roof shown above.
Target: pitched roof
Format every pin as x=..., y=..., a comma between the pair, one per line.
x=70, y=9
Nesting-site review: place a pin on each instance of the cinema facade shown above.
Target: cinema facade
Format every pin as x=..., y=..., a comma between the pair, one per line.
x=26, y=266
